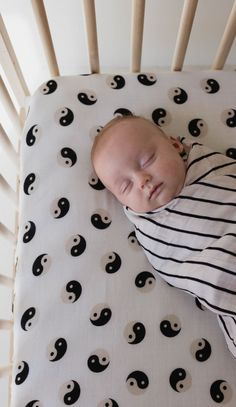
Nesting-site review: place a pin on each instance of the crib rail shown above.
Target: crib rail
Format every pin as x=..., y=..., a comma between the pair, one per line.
x=8, y=232
x=45, y=35
x=137, y=26
x=10, y=130
x=91, y=31
x=11, y=66
x=14, y=92
x=183, y=36
x=226, y=41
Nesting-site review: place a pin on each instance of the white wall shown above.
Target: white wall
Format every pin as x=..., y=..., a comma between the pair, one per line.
x=113, y=20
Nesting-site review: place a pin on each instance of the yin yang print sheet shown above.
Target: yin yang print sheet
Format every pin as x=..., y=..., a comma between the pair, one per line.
x=95, y=325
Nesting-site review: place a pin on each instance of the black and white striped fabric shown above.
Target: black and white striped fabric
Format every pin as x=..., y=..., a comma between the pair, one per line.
x=191, y=241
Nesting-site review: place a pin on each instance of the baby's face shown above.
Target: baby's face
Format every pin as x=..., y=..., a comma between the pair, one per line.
x=139, y=165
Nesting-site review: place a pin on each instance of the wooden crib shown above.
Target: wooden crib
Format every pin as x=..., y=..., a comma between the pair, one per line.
x=14, y=95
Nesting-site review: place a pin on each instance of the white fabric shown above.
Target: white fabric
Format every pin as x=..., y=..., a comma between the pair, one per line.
x=95, y=325
x=191, y=241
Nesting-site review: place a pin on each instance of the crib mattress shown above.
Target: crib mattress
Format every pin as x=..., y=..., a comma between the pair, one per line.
x=94, y=323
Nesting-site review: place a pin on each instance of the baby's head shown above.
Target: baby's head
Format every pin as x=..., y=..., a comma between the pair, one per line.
x=138, y=163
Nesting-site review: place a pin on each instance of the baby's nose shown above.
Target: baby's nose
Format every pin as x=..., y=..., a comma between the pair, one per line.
x=145, y=181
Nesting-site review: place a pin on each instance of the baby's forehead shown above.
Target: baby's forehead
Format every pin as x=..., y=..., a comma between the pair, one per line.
x=132, y=132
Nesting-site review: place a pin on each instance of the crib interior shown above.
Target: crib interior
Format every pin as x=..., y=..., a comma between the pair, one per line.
x=15, y=91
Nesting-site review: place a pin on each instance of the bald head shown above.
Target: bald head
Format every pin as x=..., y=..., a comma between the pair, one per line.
x=115, y=127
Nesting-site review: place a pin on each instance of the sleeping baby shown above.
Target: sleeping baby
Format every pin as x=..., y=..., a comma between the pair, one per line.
x=181, y=198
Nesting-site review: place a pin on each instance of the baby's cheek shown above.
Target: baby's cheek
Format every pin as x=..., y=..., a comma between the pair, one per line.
x=176, y=169
x=174, y=178
x=165, y=196
x=129, y=201
x=136, y=202
x=122, y=199
x=167, y=171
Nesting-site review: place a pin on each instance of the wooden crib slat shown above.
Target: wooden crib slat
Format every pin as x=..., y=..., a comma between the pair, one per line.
x=12, y=195
x=226, y=41
x=9, y=106
x=8, y=148
x=91, y=30
x=5, y=371
x=8, y=57
x=45, y=35
x=185, y=27
x=8, y=234
x=7, y=281
x=6, y=324
x=138, y=10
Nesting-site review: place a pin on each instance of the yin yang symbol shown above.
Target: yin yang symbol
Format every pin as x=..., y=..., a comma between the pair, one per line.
x=33, y=135
x=30, y=230
x=133, y=242
x=64, y=116
x=49, y=87
x=147, y=79
x=71, y=292
x=221, y=392
x=116, y=82
x=180, y=380
x=197, y=127
x=134, y=332
x=41, y=264
x=98, y=361
x=28, y=319
x=145, y=281
x=178, y=95
x=56, y=349
x=108, y=403
x=161, y=117
x=34, y=403
x=111, y=262
x=95, y=182
x=228, y=117
x=69, y=392
x=170, y=326
x=100, y=315
x=67, y=157
x=87, y=97
x=101, y=219
x=200, y=349
x=23, y=371
x=60, y=208
x=76, y=245
x=231, y=153
x=210, y=85
x=122, y=111
x=30, y=183
x=137, y=382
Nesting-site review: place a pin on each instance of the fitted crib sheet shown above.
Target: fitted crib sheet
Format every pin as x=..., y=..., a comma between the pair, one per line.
x=94, y=323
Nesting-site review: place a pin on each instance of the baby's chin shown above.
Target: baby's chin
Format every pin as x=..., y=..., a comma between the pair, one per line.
x=151, y=206
x=144, y=208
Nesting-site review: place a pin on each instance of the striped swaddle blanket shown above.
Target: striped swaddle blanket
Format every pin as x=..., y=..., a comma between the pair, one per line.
x=191, y=241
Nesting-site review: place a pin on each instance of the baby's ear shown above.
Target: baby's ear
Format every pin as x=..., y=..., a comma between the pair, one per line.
x=177, y=144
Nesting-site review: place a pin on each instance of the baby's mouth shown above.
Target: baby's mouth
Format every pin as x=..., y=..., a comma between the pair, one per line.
x=155, y=191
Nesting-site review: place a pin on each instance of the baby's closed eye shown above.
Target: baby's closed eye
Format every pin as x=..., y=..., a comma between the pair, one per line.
x=125, y=187
x=147, y=160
